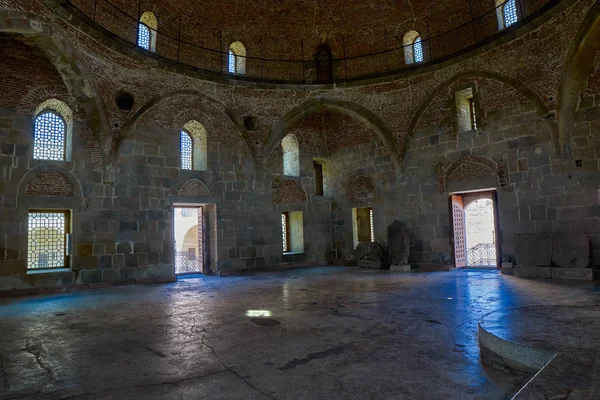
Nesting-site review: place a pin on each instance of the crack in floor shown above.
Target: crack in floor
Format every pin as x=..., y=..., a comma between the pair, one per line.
x=39, y=354
x=146, y=386
x=230, y=369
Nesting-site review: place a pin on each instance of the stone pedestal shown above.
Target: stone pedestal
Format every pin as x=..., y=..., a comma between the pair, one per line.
x=400, y=268
x=507, y=268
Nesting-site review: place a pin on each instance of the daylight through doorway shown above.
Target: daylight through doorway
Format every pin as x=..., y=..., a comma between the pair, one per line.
x=474, y=229
x=189, y=248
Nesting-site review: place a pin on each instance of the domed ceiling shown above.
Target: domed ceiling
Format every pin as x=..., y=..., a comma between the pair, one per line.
x=364, y=26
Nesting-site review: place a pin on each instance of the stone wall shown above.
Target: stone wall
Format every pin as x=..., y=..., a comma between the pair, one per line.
x=398, y=134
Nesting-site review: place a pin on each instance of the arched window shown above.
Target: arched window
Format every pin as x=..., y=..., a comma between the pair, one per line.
x=506, y=12
x=413, y=48
x=194, y=146
x=324, y=66
x=52, y=131
x=187, y=153
x=237, y=59
x=291, y=155
x=147, y=28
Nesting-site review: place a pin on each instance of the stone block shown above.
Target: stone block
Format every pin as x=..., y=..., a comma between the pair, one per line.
x=571, y=251
x=533, y=250
x=586, y=274
x=85, y=250
x=400, y=268
x=532, y=272
x=398, y=243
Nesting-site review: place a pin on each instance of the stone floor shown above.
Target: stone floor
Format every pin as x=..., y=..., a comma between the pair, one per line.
x=319, y=333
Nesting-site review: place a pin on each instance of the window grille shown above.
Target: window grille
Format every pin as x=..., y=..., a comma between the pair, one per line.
x=472, y=112
x=509, y=11
x=418, y=50
x=49, y=137
x=187, y=147
x=371, y=228
x=144, y=36
x=47, y=239
x=231, y=62
x=285, y=225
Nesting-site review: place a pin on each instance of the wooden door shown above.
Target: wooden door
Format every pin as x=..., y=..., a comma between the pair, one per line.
x=458, y=232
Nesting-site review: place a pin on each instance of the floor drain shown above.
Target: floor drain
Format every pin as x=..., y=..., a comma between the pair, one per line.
x=265, y=321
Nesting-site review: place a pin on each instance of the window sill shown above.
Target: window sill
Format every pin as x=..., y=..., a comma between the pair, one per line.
x=48, y=271
x=287, y=253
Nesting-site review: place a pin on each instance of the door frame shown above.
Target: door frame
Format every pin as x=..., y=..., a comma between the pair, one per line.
x=498, y=230
x=209, y=236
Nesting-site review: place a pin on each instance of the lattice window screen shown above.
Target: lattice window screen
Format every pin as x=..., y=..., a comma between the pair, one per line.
x=49, y=137
x=46, y=239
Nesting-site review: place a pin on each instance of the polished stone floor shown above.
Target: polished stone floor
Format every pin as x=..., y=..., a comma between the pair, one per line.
x=318, y=333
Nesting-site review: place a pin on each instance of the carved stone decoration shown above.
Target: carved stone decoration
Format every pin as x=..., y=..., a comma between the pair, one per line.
x=398, y=243
x=361, y=188
x=194, y=188
x=50, y=183
x=289, y=192
x=470, y=167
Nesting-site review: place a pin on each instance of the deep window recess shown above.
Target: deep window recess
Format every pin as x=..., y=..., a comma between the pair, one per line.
x=324, y=65
x=48, y=239
x=318, y=178
x=466, y=110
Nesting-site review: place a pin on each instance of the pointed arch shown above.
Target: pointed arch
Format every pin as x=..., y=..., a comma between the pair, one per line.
x=237, y=58
x=129, y=126
x=580, y=65
x=324, y=64
x=296, y=115
x=73, y=68
x=541, y=108
x=361, y=187
x=413, y=47
x=289, y=192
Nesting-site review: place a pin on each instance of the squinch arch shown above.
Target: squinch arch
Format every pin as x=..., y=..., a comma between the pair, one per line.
x=71, y=66
x=129, y=126
x=295, y=116
x=539, y=105
x=580, y=65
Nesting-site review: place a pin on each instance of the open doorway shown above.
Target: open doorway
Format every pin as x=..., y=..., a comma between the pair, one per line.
x=474, y=222
x=190, y=240
x=362, y=224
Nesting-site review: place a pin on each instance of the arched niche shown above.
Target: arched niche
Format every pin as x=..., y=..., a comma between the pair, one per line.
x=288, y=191
x=361, y=188
x=470, y=167
x=50, y=186
x=280, y=129
x=194, y=188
